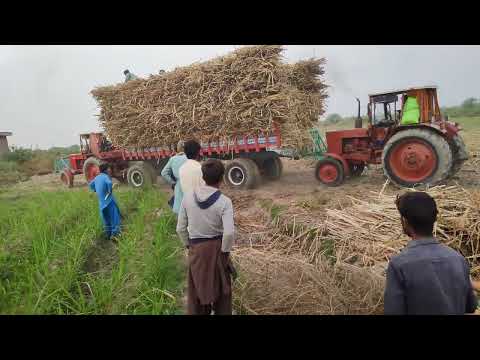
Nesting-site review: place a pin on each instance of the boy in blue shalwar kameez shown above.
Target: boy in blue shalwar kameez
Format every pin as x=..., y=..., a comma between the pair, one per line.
x=109, y=212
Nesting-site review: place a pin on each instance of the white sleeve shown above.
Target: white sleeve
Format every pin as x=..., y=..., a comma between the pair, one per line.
x=182, y=225
x=228, y=227
x=200, y=181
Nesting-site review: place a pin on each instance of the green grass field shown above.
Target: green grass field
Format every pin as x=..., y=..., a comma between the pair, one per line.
x=53, y=259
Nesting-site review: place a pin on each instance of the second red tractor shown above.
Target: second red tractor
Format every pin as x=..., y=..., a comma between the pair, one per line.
x=406, y=134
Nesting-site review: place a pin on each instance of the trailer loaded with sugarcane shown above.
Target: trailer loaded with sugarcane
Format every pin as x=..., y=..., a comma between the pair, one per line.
x=246, y=108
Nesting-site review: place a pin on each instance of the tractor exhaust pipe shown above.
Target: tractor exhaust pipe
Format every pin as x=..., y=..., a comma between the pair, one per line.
x=358, y=120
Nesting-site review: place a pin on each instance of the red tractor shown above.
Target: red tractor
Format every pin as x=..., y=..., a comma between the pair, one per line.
x=423, y=149
x=138, y=168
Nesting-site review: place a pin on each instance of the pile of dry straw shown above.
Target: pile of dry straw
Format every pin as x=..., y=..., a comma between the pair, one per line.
x=241, y=93
x=338, y=266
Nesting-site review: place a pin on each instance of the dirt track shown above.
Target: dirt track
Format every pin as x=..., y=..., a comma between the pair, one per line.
x=298, y=195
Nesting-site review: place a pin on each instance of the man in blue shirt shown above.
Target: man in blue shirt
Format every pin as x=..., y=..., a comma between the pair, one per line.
x=171, y=175
x=109, y=211
x=426, y=278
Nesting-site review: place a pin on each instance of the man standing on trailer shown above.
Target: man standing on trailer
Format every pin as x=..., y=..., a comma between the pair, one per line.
x=171, y=175
x=206, y=227
x=426, y=278
x=190, y=172
x=129, y=76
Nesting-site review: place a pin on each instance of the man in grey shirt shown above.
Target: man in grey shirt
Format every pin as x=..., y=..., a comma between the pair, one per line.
x=206, y=227
x=426, y=278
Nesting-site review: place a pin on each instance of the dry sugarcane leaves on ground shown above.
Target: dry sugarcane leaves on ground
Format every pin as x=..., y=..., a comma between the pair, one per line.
x=338, y=266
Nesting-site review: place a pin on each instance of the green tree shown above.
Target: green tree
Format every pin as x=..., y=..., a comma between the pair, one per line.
x=19, y=155
x=333, y=118
x=469, y=103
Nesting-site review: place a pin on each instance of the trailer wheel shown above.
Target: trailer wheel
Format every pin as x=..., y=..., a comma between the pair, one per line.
x=242, y=174
x=91, y=168
x=139, y=176
x=273, y=168
x=329, y=172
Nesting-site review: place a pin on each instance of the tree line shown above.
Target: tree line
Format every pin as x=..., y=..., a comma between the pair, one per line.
x=469, y=107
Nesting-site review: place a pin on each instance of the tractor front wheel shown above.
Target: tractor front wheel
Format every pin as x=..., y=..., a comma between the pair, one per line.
x=67, y=178
x=329, y=172
x=91, y=168
x=417, y=157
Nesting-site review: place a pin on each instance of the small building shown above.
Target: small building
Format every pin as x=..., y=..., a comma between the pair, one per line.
x=3, y=142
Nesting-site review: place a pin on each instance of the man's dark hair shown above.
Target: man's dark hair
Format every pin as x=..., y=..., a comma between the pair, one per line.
x=104, y=167
x=126, y=72
x=192, y=149
x=420, y=210
x=213, y=171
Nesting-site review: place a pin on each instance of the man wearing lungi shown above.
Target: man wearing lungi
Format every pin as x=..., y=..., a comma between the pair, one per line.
x=205, y=225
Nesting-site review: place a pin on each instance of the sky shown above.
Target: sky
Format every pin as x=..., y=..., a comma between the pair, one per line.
x=45, y=90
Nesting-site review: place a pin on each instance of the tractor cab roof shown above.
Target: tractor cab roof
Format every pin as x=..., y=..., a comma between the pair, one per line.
x=402, y=91
x=88, y=134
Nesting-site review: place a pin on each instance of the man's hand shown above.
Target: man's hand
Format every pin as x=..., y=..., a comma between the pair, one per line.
x=476, y=285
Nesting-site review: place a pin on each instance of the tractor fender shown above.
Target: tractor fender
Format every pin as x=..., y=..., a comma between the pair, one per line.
x=346, y=168
x=447, y=134
x=451, y=130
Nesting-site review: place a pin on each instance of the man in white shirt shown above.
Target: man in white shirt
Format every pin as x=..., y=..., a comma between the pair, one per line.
x=190, y=172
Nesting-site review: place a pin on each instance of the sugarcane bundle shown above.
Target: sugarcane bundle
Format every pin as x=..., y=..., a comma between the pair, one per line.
x=244, y=92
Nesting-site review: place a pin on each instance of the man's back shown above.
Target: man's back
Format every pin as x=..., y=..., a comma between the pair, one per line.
x=200, y=218
x=428, y=278
x=102, y=186
x=190, y=176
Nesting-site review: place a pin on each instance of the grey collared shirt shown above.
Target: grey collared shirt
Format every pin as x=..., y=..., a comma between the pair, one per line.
x=428, y=278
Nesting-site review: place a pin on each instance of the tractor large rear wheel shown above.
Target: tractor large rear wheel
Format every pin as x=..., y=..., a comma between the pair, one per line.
x=417, y=156
x=91, y=168
x=460, y=154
